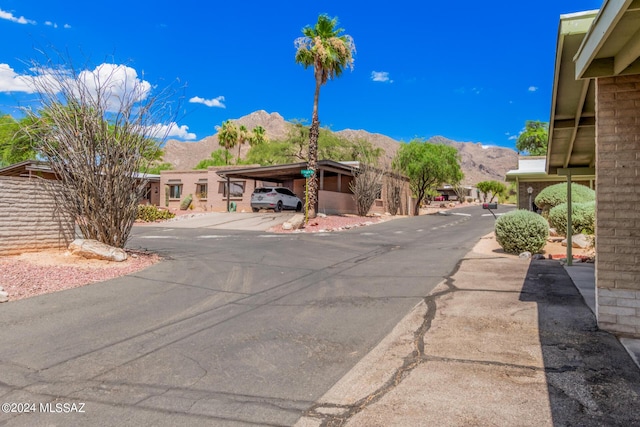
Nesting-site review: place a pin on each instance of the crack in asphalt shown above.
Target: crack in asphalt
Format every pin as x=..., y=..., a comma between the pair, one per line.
x=411, y=361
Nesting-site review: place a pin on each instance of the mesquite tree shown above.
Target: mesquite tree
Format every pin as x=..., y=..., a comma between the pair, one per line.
x=97, y=129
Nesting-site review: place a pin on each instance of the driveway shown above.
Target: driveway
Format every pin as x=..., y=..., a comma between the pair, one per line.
x=234, y=328
x=248, y=221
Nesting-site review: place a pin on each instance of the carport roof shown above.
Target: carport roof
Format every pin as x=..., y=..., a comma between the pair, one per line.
x=281, y=173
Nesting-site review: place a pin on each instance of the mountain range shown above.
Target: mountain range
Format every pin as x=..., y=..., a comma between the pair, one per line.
x=478, y=162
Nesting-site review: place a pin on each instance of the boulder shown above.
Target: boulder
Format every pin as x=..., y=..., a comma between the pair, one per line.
x=579, y=241
x=92, y=249
x=294, y=223
x=525, y=255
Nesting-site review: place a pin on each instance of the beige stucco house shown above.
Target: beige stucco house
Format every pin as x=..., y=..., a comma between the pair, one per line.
x=595, y=130
x=219, y=188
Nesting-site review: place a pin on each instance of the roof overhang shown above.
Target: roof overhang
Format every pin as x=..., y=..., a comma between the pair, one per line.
x=612, y=46
x=282, y=173
x=572, y=122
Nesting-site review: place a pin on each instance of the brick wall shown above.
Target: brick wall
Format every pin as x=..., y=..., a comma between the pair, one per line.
x=618, y=203
x=28, y=221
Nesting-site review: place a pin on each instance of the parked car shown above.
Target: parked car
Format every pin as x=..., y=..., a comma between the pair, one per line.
x=276, y=198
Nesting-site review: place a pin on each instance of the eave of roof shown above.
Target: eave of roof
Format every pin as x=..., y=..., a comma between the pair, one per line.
x=280, y=173
x=572, y=122
x=612, y=45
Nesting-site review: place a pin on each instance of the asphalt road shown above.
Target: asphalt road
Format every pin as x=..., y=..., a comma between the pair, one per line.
x=234, y=328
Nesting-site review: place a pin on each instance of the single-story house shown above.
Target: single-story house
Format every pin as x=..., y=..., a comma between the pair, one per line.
x=595, y=130
x=38, y=169
x=531, y=178
x=215, y=188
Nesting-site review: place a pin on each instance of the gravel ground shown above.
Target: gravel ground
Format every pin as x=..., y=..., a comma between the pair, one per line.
x=36, y=273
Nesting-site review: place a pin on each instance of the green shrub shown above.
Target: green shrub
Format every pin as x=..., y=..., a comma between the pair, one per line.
x=583, y=218
x=151, y=213
x=556, y=194
x=186, y=202
x=520, y=231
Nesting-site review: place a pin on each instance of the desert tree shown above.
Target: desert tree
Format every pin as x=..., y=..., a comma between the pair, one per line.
x=258, y=136
x=394, y=184
x=227, y=136
x=495, y=188
x=97, y=129
x=534, y=138
x=366, y=184
x=427, y=165
x=329, y=52
x=243, y=137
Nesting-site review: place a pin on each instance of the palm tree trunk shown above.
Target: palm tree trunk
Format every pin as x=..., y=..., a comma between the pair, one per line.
x=314, y=133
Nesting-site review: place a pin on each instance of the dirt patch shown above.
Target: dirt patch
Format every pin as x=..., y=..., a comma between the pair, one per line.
x=36, y=273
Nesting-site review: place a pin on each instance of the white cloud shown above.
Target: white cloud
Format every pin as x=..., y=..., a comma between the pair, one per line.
x=215, y=102
x=51, y=24
x=513, y=137
x=533, y=88
x=116, y=83
x=9, y=17
x=172, y=130
x=486, y=147
x=380, y=76
x=119, y=82
x=10, y=81
x=67, y=26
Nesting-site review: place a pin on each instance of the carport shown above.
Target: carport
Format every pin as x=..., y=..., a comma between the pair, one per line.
x=335, y=196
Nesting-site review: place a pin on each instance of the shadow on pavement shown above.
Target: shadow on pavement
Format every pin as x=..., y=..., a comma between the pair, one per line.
x=591, y=379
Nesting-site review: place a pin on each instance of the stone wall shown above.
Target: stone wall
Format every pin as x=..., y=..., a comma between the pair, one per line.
x=618, y=203
x=28, y=221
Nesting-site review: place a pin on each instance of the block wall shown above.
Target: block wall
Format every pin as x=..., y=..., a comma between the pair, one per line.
x=28, y=219
x=618, y=203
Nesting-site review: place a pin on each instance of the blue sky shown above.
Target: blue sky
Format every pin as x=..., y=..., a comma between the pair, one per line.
x=469, y=71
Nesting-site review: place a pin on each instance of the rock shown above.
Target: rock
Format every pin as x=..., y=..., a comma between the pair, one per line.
x=4, y=294
x=296, y=222
x=553, y=232
x=3, y=299
x=321, y=215
x=93, y=249
x=287, y=226
x=525, y=255
x=538, y=256
x=579, y=241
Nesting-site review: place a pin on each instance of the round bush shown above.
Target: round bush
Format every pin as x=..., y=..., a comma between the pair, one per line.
x=556, y=194
x=521, y=231
x=151, y=213
x=583, y=218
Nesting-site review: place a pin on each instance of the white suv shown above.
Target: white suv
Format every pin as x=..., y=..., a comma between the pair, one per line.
x=276, y=198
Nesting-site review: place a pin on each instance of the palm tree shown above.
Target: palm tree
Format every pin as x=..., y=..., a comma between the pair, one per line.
x=258, y=137
x=243, y=135
x=227, y=136
x=329, y=52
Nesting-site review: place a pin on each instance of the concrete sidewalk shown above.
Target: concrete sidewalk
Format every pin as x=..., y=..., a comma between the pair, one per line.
x=503, y=341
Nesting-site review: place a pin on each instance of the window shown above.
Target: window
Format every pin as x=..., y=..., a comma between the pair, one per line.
x=237, y=188
x=201, y=190
x=285, y=191
x=175, y=190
